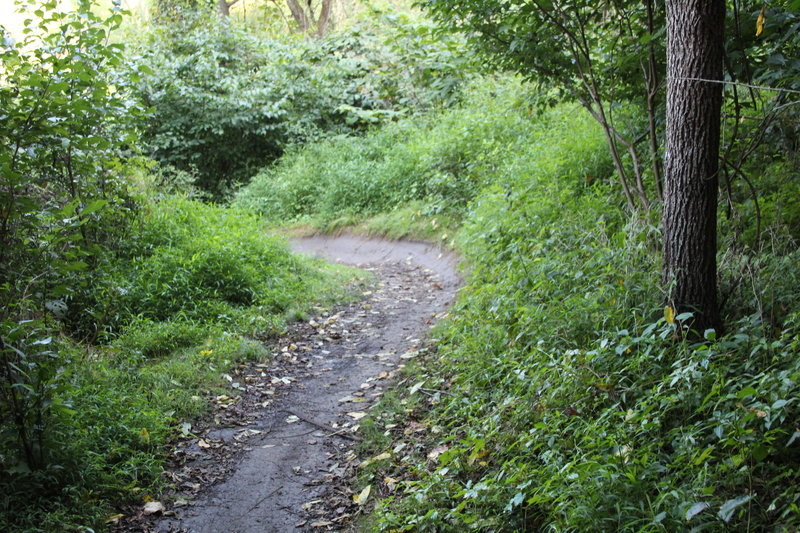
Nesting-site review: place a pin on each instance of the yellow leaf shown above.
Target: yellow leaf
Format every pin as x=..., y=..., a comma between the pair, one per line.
x=114, y=518
x=669, y=314
x=381, y=457
x=145, y=435
x=362, y=498
x=760, y=21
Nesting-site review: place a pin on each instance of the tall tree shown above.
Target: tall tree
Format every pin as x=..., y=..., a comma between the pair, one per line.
x=695, y=42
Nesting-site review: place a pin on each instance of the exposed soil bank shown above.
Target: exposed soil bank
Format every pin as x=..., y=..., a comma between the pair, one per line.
x=275, y=460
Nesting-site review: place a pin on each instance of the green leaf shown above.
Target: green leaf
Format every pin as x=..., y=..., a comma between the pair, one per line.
x=779, y=404
x=727, y=509
x=760, y=452
x=696, y=509
x=745, y=392
x=94, y=206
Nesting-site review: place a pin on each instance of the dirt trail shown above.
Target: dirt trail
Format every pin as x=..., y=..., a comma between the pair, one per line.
x=276, y=459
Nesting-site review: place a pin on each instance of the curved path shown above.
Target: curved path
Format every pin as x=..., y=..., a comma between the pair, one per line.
x=298, y=424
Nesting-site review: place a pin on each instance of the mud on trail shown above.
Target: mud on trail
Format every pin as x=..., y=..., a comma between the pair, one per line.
x=277, y=456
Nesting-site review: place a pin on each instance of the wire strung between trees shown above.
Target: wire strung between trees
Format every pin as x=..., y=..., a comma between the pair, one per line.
x=738, y=84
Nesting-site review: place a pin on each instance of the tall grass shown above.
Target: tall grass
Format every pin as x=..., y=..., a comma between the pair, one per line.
x=440, y=161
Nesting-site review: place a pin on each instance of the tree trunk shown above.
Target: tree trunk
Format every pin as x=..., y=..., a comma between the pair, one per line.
x=224, y=7
x=299, y=16
x=324, y=17
x=691, y=161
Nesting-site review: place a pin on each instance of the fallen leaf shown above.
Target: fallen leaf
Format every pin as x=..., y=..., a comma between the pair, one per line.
x=114, y=518
x=308, y=505
x=203, y=444
x=363, y=496
x=291, y=419
x=436, y=452
x=321, y=523
x=413, y=427
x=416, y=387
x=380, y=457
x=357, y=415
x=153, y=508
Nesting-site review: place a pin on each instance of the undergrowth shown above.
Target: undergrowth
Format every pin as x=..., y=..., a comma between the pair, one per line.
x=413, y=171
x=560, y=396
x=199, y=289
x=563, y=398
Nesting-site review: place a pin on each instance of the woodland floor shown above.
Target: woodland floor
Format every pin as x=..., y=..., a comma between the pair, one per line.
x=277, y=453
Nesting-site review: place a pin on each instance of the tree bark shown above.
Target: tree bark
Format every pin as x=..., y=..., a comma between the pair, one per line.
x=224, y=7
x=299, y=15
x=691, y=161
x=324, y=17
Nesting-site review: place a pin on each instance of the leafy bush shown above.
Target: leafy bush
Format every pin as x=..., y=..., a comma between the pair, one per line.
x=65, y=132
x=200, y=262
x=171, y=311
x=227, y=102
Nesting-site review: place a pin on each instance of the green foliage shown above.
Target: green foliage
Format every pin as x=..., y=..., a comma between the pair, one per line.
x=768, y=57
x=570, y=402
x=179, y=307
x=603, y=58
x=227, y=102
x=65, y=129
x=200, y=262
x=440, y=161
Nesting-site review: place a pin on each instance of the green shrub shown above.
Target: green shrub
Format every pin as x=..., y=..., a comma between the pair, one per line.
x=227, y=102
x=154, y=340
x=170, y=313
x=199, y=262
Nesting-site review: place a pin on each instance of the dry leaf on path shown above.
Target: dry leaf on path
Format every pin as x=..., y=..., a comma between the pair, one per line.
x=153, y=508
x=362, y=497
x=380, y=457
x=436, y=452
